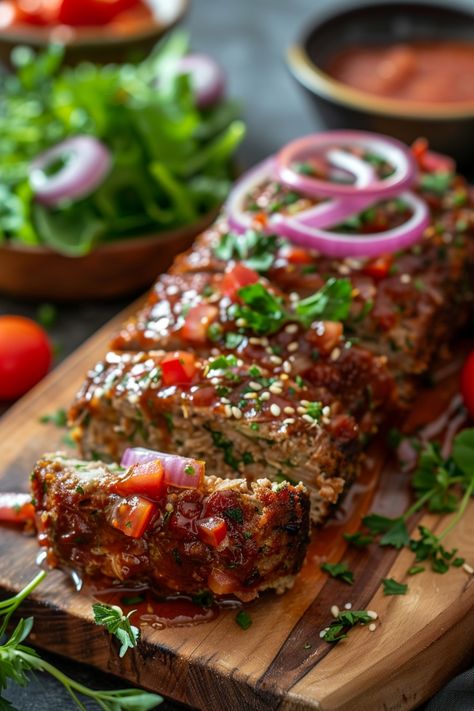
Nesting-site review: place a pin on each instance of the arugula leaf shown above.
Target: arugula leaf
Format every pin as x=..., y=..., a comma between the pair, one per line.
x=345, y=620
x=392, y=587
x=340, y=571
x=331, y=303
x=112, y=618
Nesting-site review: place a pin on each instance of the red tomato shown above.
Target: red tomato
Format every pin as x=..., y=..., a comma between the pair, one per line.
x=35, y=12
x=92, y=12
x=467, y=383
x=25, y=355
x=222, y=583
x=379, y=268
x=16, y=508
x=325, y=335
x=237, y=277
x=197, y=322
x=145, y=479
x=297, y=255
x=430, y=161
x=178, y=368
x=212, y=530
x=132, y=516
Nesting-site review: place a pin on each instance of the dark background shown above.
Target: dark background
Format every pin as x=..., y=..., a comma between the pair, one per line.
x=249, y=37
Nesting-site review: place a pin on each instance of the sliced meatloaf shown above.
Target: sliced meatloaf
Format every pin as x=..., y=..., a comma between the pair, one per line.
x=83, y=523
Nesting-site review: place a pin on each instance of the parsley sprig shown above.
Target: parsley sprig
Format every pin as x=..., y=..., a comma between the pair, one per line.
x=112, y=618
x=256, y=249
x=265, y=313
x=345, y=620
x=17, y=660
x=340, y=571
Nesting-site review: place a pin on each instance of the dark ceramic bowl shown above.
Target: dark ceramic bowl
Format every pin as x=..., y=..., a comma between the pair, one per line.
x=111, y=43
x=449, y=128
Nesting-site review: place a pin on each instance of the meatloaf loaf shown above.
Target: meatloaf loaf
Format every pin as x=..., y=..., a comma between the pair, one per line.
x=88, y=527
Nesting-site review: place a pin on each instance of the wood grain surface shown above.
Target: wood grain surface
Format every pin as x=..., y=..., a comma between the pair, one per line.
x=280, y=662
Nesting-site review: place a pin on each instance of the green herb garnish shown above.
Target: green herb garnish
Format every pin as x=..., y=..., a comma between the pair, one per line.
x=392, y=587
x=58, y=418
x=243, y=619
x=256, y=249
x=345, y=620
x=340, y=571
x=112, y=618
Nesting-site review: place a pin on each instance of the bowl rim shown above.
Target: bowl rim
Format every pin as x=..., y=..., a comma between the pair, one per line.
x=91, y=37
x=317, y=81
x=116, y=246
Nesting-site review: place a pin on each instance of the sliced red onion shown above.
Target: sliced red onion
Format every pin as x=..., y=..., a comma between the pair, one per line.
x=206, y=76
x=337, y=244
x=324, y=214
x=86, y=163
x=180, y=472
x=392, y=151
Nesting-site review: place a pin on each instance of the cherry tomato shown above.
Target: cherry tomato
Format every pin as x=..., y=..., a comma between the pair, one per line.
x=197, y=322
x=16, y=508
x=25, y=355
x=467, y=383
x=132, y=516
x=237, y=277
x=178, y=368
x=146, y=479
x=92, y=12
x=212, y=530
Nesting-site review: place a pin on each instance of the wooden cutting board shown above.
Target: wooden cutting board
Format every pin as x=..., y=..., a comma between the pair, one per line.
x=280, y=662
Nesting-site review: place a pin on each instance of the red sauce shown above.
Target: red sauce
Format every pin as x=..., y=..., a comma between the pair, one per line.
x=429, y=72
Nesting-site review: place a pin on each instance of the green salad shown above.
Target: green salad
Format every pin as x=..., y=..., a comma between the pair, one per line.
x=162, y=160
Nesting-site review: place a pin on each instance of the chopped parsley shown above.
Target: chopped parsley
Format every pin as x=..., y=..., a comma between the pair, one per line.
x=340, y=571
x=112, y=618
x=345, y=620
x=58, y=418
x=256, y=249
x=331, y=303
x=243, y=619
x=392, y=587
x=189, y=469
x=235, y=514
x=438, y=183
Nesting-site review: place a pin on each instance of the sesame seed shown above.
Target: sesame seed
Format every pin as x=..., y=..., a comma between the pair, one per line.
x=275, y=409
x=255, y=341
x=326, y=410
x=301, y=410
x=215, y=381
x=305, y=403
x=264, y=341
x=289, y=410
x=372, y=627
x=308, y=418
x=348, y=606
x=275, y=359
x=293, y=346
x=228, y=411
x=335, y=353
x=275, y=388
x=169, y=507
x=323, y=632
x=468, y=568
x=241, y=323
x=225, y=401
x=334, y=610
x=265, y=396
x=291, y=328
x=405, y=278
x=343, y=269
x=289, y=421
x=373, y=615
x=236, y=412
x=250, y=396
x=286, y=367
x=255, y=386
x=284, y=376
x=294, y=296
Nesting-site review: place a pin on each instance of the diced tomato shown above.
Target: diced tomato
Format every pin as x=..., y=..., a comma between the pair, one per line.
x=325, y=335
x=178, y=368
x=467, y=383
x=197, y=321
x=379, y=268
x=222, y=583
x=237, y=277
x=132, y=516
x=297, y=255
x=261, y=219
x=146, y=479
x=212, y=530
x=430, y=161
x=16, y=508
x=92, y=12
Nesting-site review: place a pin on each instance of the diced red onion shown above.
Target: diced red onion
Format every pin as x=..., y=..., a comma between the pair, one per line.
x=337, y=244
x=87, y=161
x=206, y=76
x=181, y=472
x=392, y=151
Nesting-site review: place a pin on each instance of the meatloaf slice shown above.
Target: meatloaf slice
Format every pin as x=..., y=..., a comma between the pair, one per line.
x=263, y=545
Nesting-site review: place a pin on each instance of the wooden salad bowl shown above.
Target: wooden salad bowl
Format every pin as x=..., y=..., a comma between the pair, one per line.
x=109, y=271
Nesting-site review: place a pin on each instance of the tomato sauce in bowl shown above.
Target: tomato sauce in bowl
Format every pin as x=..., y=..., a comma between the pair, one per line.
x=434, y=72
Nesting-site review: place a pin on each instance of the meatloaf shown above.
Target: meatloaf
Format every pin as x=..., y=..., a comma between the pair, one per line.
x=82, y=522
x=260, y=388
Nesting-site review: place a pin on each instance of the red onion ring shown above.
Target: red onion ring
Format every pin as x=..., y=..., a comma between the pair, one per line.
x=206, y=76
x=337, y=244
x=87, y=162
x=391, y=150
x=181, y=472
